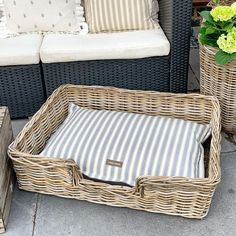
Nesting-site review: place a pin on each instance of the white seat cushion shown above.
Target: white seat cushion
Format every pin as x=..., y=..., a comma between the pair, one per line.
x=20, y=50
x=120, y=45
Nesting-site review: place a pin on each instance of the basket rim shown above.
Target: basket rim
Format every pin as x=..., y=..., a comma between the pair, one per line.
x=166, y=95
x=212, y=50
x=12, y=150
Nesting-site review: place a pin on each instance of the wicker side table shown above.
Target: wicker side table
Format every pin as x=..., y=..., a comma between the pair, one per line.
x=6, y=173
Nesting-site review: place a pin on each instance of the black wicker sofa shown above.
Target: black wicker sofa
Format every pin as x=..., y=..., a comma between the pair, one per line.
x=21, y=76
x=166, y=73
x=21, y=89
x=24, y=88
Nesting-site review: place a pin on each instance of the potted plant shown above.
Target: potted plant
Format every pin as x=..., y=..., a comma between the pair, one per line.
x=217, y=37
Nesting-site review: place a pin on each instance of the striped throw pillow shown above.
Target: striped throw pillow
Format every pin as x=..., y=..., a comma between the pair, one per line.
x=120, y=146
x=120, y=15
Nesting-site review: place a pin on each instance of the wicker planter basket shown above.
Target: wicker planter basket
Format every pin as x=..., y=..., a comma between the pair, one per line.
x=220, y=81
x=227, y=2
x=171, y=195
x=222, y=2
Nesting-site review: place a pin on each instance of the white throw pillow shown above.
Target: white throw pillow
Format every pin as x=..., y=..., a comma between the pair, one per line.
x=20, y=16
x=121, y=146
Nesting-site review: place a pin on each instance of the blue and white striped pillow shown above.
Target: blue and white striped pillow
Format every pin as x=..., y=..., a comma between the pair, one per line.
x=121, y=146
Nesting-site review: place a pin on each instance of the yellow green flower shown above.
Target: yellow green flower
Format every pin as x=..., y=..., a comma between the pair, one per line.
x=223, y=13
x=227, y=43
x=233, y=5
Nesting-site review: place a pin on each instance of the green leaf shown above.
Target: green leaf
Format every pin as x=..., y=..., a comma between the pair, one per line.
x=228, y=26
x=210, y=31
x=202, y=30
x=223, y=58
x=209, y=24
x=207, y=16
x=233, y=55
x=206, y=40
x=216, y=1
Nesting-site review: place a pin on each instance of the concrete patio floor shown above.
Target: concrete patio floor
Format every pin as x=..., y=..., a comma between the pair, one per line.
x=35, y=214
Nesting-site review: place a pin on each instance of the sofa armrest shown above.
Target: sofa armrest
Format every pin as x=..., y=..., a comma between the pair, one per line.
x=175, y=20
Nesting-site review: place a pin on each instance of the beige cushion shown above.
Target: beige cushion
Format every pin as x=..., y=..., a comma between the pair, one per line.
x=20, y=50
x=41, y=16
x=120, y=15
x=122, y=45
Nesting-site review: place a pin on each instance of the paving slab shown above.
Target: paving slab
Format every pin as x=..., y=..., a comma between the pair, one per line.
x=21, y=219
x=228, y=143
x=17, y=125
x=194, y=62
x=58, y=216
x=193, y=83
x=36, y=214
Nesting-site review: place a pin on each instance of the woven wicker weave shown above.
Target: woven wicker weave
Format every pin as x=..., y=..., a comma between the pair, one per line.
x=222, y=2
x=21, y=89
x=142, y=74
x=220, y=81
x=164, y=73
x=171, y=195
x=227, y=2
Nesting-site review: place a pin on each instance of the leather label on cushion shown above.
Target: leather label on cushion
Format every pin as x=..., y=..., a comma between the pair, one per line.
x=114, y=163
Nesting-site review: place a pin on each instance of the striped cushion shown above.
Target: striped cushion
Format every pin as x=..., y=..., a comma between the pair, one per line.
x=120, y=15
x=120, y=146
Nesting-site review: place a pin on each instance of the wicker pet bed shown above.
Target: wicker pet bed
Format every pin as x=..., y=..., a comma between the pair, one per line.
x=171, y=195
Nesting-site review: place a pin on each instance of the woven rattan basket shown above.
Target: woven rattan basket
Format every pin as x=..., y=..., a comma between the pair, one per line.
x=227, y=2
x=220, y=81
x=222, y=2
x=171, y=195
